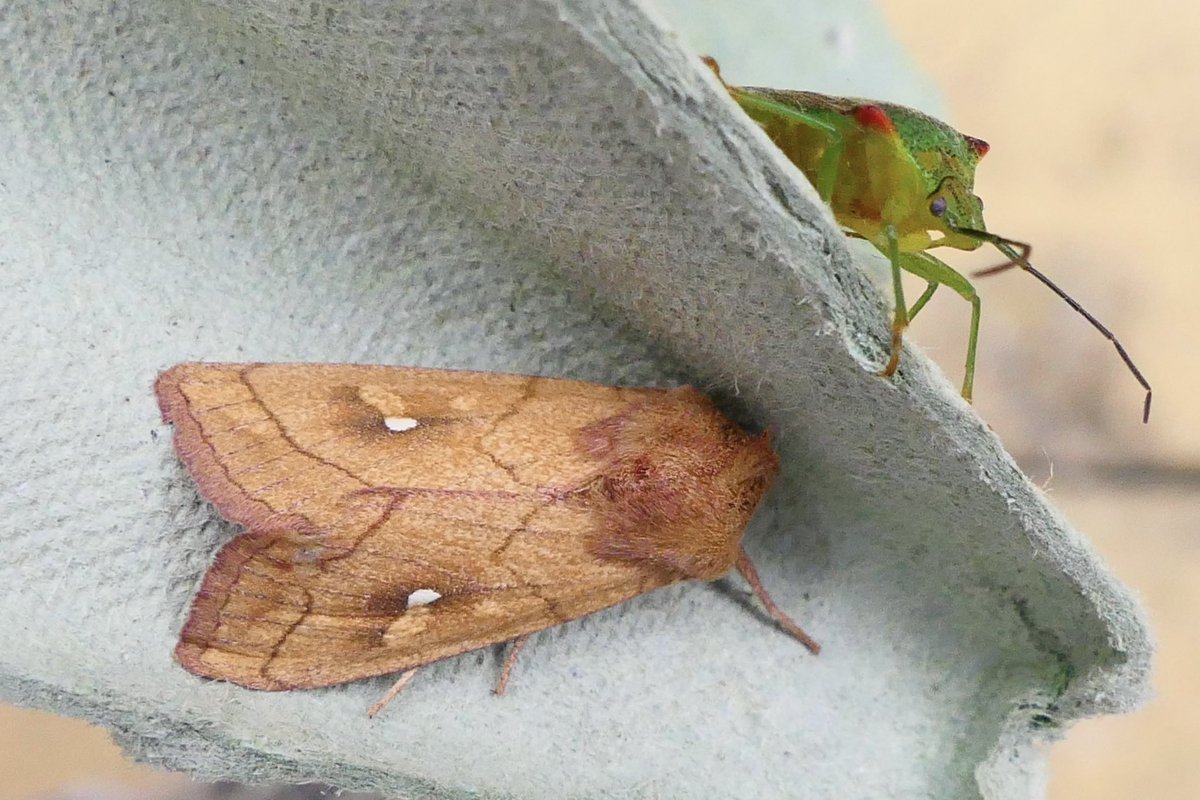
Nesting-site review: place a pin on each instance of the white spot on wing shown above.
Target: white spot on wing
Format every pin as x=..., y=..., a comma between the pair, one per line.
x=423, y=597
x=400, y=424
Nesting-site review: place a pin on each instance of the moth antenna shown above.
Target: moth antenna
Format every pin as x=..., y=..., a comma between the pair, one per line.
x=1018, y=256
x=746, y=567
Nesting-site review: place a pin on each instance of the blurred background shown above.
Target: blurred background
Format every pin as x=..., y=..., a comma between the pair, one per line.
x=1090, y=108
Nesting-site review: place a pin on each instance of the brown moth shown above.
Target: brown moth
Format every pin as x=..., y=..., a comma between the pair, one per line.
x=398, y=516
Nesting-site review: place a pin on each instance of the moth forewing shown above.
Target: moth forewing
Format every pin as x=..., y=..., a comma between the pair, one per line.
x=505, y=504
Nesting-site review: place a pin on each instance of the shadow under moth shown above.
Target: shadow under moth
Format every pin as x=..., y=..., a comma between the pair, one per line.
x=397, y=516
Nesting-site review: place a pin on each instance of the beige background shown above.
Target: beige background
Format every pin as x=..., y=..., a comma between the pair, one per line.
x=1091, y=110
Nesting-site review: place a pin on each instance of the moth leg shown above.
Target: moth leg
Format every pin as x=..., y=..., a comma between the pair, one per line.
x=748, y=571
x=404, y=679
x=510, y=662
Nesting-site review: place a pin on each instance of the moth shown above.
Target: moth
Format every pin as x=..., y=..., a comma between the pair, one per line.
x=397, y=516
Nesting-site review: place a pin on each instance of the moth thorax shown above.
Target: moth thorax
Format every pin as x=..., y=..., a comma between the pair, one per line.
x=679, y=498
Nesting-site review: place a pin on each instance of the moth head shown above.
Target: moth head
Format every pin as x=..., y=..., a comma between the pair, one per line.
x=678, y=486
